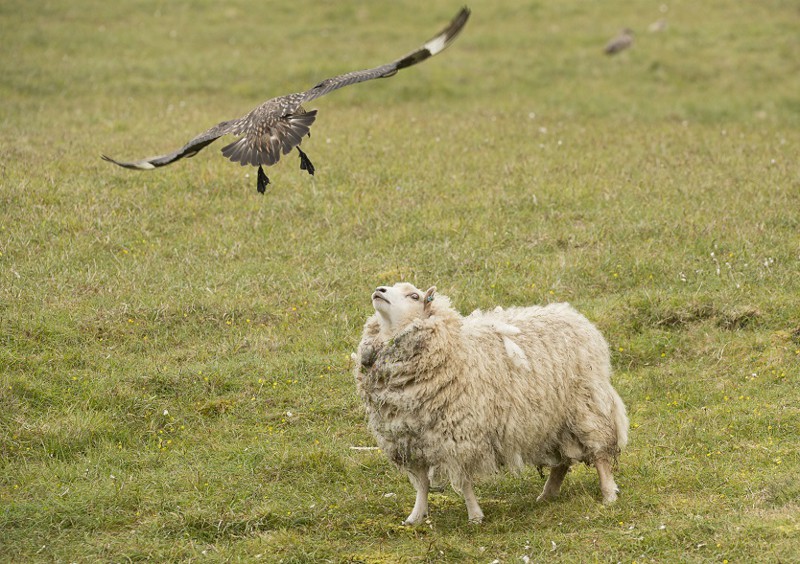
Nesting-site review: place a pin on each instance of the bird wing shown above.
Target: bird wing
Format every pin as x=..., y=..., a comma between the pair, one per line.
x=189, y=150
x=278, y=125
x=433, y=46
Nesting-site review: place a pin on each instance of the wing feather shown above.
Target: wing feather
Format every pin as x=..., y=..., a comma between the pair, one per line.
x=189, y=150
x=433, y=46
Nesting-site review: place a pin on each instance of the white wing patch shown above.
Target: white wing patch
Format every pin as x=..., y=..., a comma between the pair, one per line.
x=436, y=44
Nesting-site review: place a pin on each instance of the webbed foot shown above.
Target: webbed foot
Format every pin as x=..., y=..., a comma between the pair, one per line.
x=305, y=162
x=263, y=180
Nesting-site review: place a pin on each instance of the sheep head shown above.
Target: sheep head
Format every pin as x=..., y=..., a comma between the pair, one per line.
x=399, y=305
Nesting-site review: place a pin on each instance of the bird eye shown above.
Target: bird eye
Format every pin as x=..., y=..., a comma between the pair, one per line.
x=414, y=296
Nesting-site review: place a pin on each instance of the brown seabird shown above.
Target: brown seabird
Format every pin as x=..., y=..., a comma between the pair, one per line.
x=620, y=42
x=279, y=125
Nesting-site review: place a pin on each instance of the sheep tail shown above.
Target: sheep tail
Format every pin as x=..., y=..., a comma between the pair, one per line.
x=620, y=420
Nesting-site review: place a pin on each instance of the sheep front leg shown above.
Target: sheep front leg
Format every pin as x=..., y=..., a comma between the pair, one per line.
x=419, y=478
x=474, y=512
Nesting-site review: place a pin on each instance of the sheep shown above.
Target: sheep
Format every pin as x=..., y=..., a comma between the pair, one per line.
x=462, y=397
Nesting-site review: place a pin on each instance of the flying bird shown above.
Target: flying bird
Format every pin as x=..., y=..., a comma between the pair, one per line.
x=620, y=42
x=278, y=125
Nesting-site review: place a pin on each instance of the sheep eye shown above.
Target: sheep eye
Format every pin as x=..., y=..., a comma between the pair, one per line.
x=414, y=296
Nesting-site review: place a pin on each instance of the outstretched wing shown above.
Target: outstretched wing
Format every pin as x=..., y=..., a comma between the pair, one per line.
x=435, y=45
x=189, y=150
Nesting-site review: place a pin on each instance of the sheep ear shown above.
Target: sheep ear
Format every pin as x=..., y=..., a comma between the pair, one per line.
x=428, y=299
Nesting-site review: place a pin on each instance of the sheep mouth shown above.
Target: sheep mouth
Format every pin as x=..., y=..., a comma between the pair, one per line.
x=376, y=296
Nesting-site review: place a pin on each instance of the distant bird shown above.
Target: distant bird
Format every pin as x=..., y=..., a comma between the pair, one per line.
x=620, y=42
x=279, y=125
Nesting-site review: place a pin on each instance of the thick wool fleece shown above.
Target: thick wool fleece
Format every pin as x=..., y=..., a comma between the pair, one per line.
x=466, y=396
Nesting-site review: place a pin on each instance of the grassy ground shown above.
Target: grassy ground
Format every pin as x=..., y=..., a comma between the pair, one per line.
x=174, y=365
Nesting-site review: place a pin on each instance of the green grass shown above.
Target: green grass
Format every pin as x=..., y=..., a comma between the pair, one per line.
x=174, y=348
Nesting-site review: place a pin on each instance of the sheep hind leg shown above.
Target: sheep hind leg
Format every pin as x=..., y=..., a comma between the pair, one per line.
x=554, y=481
x=419, y=479
x=608, y=487
x=474, y=512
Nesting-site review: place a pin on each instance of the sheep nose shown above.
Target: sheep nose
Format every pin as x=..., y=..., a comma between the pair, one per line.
x=381, y=289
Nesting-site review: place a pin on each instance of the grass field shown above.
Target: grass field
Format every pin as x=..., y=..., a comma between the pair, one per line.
x=175, y=382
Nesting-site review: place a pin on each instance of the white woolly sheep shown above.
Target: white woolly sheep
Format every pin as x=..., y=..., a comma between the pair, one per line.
x=462, y=397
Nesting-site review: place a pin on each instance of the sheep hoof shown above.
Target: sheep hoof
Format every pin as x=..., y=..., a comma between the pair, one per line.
x=416, y=517
x=475, y=516
x=412, y=520
x=545, y=497
x=610, y=498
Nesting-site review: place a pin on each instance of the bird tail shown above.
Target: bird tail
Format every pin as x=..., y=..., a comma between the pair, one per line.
x=266, y=149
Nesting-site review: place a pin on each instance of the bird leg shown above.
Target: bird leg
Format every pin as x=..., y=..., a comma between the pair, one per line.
x=305, y=162
x=263, y=180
